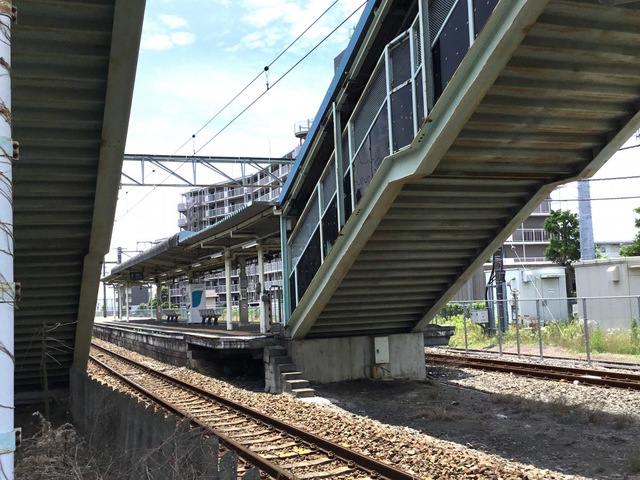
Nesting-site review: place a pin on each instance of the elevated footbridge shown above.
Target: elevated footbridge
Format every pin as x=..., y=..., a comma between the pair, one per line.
x=447, y=124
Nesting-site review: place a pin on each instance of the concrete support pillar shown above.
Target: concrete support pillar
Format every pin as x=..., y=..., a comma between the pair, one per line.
x=7, y=284
x=328, y=360
x=126, y=298
x=227, y=279
x=243, y=303
x=158, y=301
x=284, y=253
x=263, y=294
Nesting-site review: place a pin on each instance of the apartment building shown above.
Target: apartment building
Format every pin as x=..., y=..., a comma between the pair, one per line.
x=203, y=207
x=526, y=245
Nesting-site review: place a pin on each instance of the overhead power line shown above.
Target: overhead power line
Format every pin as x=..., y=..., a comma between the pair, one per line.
x=254, y=101
x=266, y=68
x=279, y=79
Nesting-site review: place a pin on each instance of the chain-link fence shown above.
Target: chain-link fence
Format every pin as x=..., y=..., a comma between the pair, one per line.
x=583, y=328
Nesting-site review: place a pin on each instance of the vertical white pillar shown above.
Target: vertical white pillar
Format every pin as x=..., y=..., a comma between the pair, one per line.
x=7, y=285
x=158, y=301
x=227, y=281
x=263, y=305
x=126, y=298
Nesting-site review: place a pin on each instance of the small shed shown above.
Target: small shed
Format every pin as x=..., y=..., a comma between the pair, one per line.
x=541, y=293
x=611, y=291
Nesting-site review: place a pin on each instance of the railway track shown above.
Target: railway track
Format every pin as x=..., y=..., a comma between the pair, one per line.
x=550, y=372
x=536, y=356
x=279, y=450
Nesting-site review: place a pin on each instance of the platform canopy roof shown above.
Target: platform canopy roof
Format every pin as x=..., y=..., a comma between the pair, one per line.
x=239, y=234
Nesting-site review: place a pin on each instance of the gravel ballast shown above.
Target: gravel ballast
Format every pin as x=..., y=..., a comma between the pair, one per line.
x=464, y=423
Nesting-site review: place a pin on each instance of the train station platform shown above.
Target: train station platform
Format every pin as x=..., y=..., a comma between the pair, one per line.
x=185, y=344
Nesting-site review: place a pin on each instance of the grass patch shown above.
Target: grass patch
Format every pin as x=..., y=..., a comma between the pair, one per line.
x=569, y=335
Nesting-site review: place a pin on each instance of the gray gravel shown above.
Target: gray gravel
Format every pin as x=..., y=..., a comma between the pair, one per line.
x=467, y=424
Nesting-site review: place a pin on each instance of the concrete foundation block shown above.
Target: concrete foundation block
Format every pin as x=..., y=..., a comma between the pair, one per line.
x=350, y=358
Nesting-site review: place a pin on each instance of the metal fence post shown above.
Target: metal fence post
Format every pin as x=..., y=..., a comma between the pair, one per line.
x=464, y=317
x=500, y=325
x=638, y=299
x=586, y=330
x=517, y=320
x=539, y=318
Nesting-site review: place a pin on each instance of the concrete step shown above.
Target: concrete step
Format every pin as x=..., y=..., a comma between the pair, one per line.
x=303, y=393
x=290, y=375
x=286, y=367
x=291, y=385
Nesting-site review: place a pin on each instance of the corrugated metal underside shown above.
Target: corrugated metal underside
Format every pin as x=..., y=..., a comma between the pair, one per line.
x=570, y=87
x=60, y=64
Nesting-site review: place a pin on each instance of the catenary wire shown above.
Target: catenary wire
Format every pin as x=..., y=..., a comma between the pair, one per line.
x=279, y=79
x=254, y=101
x=256, y=77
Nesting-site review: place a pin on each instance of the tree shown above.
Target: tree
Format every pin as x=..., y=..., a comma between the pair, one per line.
x=564, y=243
x=633, y=250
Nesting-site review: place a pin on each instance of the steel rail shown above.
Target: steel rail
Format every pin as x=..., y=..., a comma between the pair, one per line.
x=600, y=363
x=356, y=460
x=560, y=373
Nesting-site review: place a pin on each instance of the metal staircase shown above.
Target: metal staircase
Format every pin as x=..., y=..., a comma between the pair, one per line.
x=547, y=93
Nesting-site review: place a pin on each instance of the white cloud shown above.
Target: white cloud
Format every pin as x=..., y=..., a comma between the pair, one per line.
x=275, y=23
x=172, y=21
x=156, y=42
x=182, y=38
x=164, y=32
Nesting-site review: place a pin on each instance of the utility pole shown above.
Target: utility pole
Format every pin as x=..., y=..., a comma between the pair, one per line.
x=587, y=244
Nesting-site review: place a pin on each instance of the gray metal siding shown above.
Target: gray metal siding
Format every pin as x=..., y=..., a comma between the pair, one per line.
x=61, y=62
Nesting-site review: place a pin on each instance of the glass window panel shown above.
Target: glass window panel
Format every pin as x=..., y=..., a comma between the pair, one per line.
x=438, y=11
x=362, y=170
x=368, y=109
x=330, y=227
x=292, y=290
x=419, y=98
x=400, y=59
x=347, y=195
x=309, y=264
x=379, y=139
x=306, y=226
x=482, y=10
x=328, y=183
x=345, y=152
x=402, y=117
x=451, y=47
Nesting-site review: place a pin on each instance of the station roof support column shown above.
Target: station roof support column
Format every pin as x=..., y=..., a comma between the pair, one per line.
x=264, y=327
x=227, y=280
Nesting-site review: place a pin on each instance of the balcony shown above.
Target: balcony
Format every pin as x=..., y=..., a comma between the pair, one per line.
x=182, y=207
x=530, y=235
x=543, y=209
x=182, y=222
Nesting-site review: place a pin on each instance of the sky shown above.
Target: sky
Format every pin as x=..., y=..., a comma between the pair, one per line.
x=196, y=55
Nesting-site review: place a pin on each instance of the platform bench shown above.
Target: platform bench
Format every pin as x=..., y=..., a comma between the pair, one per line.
x=209, y=313
x=172, y=316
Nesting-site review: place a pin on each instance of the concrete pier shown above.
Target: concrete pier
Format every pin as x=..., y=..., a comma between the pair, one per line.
x=328, y=360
